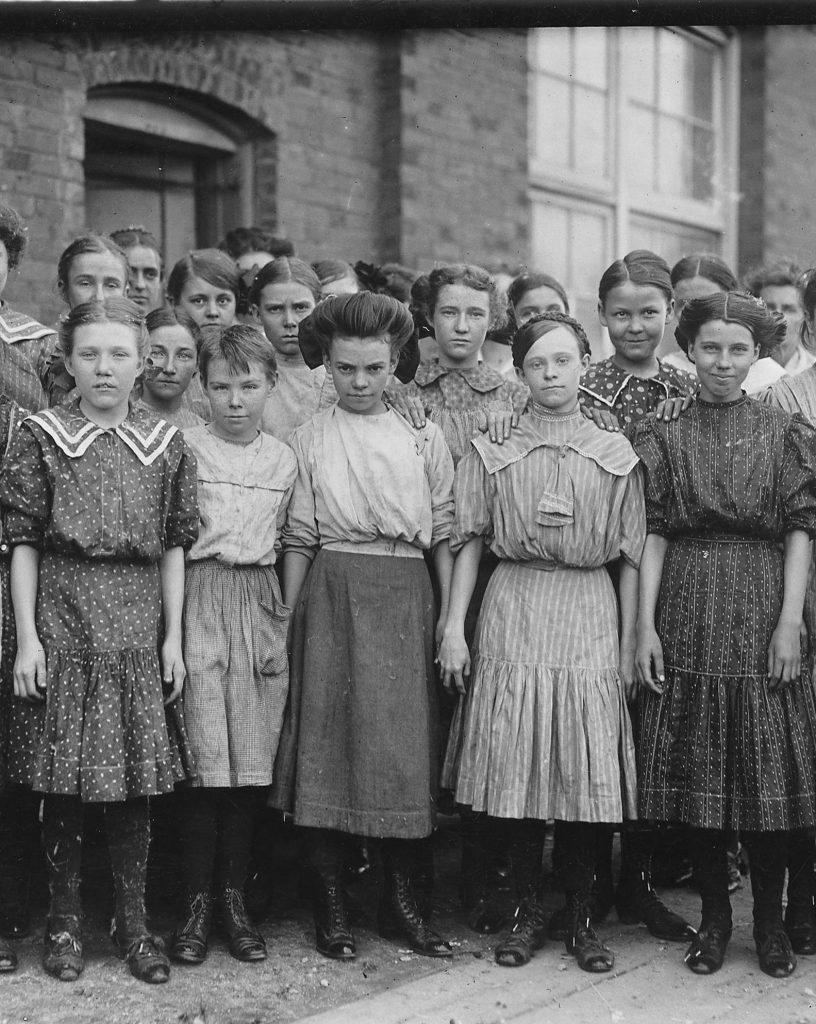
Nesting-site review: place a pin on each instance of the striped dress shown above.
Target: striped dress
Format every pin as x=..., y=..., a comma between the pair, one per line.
x=544, y=731
x=719, y=749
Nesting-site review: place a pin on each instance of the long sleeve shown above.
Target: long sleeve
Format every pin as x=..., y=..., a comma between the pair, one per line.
x=473, y=494
x=25, y=492
x=300, y=532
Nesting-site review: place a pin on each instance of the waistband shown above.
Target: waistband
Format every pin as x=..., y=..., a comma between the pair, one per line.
x=724, y=538
x=398, y=548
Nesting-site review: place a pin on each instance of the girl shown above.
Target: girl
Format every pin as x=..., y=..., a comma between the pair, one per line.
x=172, y=363
x=696, y=276
x=99, y=500
x=204, y=286
x=284, y=293
x=358, y=753
x=336, y=278
x=635, y=302
x=234, y=638
x=145, y=267
x=24, y=338
x=546, y=733
x=92, y=269
x=727, y=714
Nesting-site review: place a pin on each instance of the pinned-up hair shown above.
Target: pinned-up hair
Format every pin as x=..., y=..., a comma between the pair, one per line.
x=135, y=234
x=781, y=273
x=707, y=265
x=12, y=235
x=471, y=276
x=84, y=245
x=807, y=296
x=529, y=281
x=544, y=323
x=641, y=267
x=333, y=270
x=242, y=240
x=364, y=315
x=211, y=265
x=166, y=316
x=113, y=311
x=766, y=328
x=238, y=345
x=285, y=270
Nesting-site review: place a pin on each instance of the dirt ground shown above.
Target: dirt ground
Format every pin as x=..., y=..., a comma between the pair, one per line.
x=388, y=985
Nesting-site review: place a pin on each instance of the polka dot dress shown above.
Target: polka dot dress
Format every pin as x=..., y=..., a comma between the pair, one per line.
x=102, y=505
x=606, y=386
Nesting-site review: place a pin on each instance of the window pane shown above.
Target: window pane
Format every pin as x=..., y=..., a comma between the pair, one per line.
x=588, y=250
x=637, y=52
x=589, y=132
x=674, y=157
x=590, y=65
x=552, y=49
x=675, y=74
x=550, y=237
x=703, y=83
x=671, y=240
x=703, y=162
x=639, y=162
x=552, y=115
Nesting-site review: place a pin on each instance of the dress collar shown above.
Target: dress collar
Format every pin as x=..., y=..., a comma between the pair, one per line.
x=16, y=326
x=606, y=380
x=481, y=378
x=73, y=433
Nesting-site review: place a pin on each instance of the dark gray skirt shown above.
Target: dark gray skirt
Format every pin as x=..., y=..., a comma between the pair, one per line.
x=358, y=749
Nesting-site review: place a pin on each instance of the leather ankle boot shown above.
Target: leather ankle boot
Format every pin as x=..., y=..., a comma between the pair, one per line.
x=399, y=916
x=189, y=944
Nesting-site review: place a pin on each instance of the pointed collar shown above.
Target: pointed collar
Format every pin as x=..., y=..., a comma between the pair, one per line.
x=481, y=378
x=73, y=433
x=16, y=326
x=606, y=380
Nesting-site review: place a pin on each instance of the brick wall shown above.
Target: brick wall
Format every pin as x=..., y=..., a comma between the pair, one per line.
x=380, y=146
x=778, y=133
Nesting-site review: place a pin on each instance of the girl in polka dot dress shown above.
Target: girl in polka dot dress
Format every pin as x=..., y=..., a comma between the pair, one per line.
x=100, y=503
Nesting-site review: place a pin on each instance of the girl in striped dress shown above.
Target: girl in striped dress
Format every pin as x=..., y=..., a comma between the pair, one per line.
x=546, y=732
x=727, y=714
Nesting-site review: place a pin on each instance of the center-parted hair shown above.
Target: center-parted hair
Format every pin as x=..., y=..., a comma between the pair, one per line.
x=88, y=244
x=544, y=323
x=707, y=265
x=766, y=328
x=641, y=267
x=364, y=315
x=127, y=238
x=112, y=311
x=285, y=270
x=529, y=281
x=211, y=265
x=238, y=345
x=469, y=275
x=165, y=316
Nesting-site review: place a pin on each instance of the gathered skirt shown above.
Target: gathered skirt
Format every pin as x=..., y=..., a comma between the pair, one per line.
x=235, y=626
x=358, y=747
x=544, y=731
x=720, y=749
x=106, y=735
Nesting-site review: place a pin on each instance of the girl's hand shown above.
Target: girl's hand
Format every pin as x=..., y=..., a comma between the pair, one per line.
x=410, y=407
x=498, y=423
x=626, y=666
x=670, y=408
x=29, y=671
x=603, y=418
x=454, y=662
x=173, y=670
x=784, y=655
x=649, y=661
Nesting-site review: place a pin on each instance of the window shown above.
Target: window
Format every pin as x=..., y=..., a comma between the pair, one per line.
x=630, y=147
x=163, y=165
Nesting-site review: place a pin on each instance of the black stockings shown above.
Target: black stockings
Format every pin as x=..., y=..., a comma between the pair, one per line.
x=217, y=828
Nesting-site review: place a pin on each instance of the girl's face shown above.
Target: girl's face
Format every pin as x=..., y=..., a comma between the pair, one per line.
x=535, y=301
x=552, y=370
x=280, y=308
x=4, y=266
x=105, y=363
x=635, y=316
x=692, y=288
x=360, y=368
x=722, y=353
x=460, y=321
x=94, y=276
x=237, y=400
x=171, y=362
x=144, y=278
x=784, y=299
x=342, y=286
x=206, y=303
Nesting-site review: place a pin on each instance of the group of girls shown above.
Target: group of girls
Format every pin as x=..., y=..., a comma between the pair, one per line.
x=606, y=564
